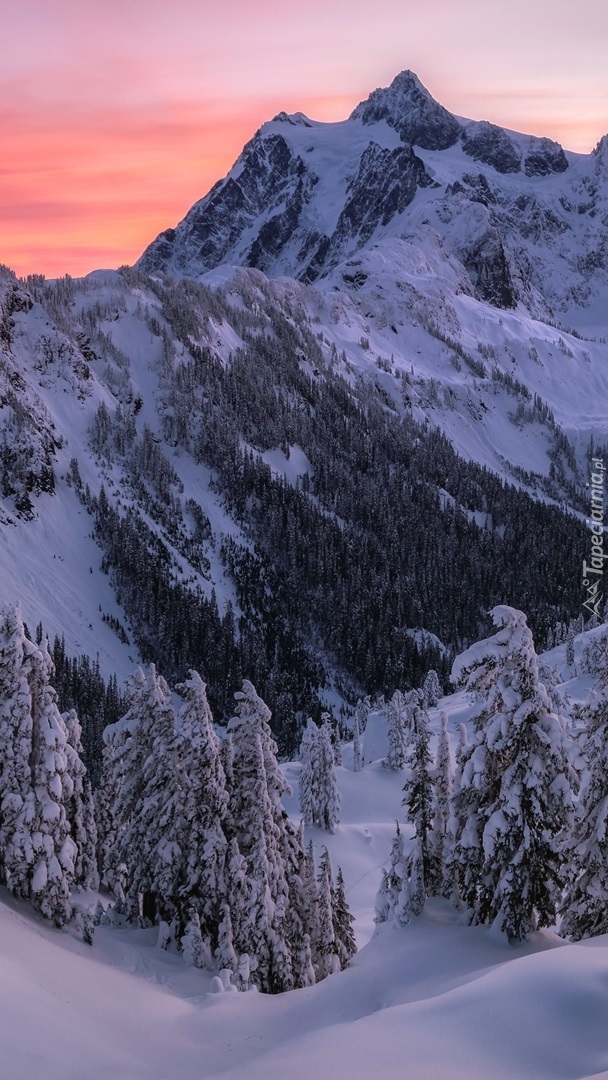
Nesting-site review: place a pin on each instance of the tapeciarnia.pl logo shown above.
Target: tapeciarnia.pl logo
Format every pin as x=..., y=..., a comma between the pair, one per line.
x=593, y=571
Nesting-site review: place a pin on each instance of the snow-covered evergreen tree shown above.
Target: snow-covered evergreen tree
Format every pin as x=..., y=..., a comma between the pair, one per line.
x=328, y=950
x=282, y=958
x=443, y=795
x=584, y=904
x=451, y=872
x=414, y=888
x=319, y=795
x=309, y=754
x=357, y=732
x=307, y=975
x=258, y=783
x=327, y=813
x=387, y=896
x=54, y=850
x=514, y=798
x=124, y=753
x=192, y=941
x=16, y=794
x=143, y=854
x=346, y=946
x=311, y=904
x=200, y=807
x=157, y=828
x=225, y=955
x=431, y=689
x=237, y=892
x=80, y=808
x=570, y=646
x=419, y=800
x=334, y=732
x=264, y=835
x=397, y=723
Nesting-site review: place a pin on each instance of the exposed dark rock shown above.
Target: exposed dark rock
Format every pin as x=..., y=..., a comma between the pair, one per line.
x=409, y=108
x=490, y=144
x=600, y=154
x=488, y=266
x=480, y=189
x=537, y=222
x=295, y=119
x=269, y=173
x=596, y=259
x=384, y=185
x=277, y=231
x=160, y=252
x=357, y=279
x=318, y=260
x=544, y=157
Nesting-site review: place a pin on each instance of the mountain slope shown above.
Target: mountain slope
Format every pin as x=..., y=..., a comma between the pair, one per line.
x=254, y=502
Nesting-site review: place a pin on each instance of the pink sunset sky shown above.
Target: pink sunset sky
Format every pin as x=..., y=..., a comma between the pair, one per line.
x=116, y=117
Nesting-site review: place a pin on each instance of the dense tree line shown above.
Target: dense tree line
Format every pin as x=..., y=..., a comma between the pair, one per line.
x=188, y=830
x=98, y=702
x=194, y=837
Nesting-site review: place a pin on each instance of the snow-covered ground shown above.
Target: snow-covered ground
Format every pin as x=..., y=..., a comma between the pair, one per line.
x=435, y=999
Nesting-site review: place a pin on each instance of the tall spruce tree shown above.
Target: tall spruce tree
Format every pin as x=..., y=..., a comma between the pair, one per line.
x=328, y=807
x=54, y=850
x=346, y=946
x=387, y=897
x=514, y=798
x=584, y=904
x=264, y=836
x=140, y=775
x=200, y=808
x=309, y=754
x=431, y=689
x=156, y=834
x=443, y=795
x=80, y=808
x=16, y=793
x=328, y=959
x=358, y=724
x=319, y=795
x=397, y=724
x=419, y=800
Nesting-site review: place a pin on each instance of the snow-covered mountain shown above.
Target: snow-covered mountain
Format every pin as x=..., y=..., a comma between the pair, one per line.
x=309, y=440
x=522, y=219
x=299, y=428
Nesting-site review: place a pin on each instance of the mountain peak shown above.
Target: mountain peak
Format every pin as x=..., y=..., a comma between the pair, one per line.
x=408, y=107
x=297, y=119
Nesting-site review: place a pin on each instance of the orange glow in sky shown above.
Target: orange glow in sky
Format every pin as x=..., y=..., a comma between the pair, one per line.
x=115, y=118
